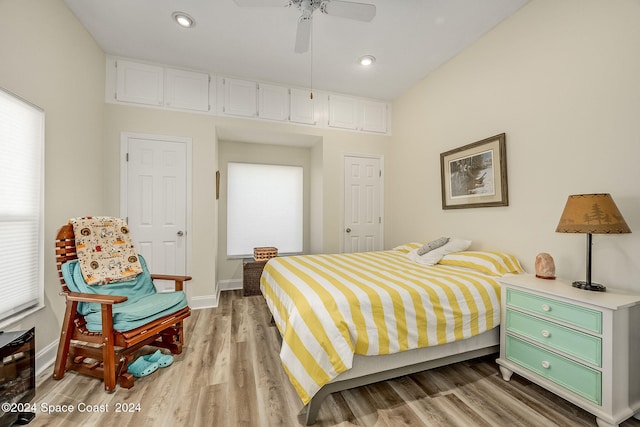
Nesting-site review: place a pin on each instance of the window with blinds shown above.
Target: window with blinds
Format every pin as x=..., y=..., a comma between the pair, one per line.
x=264, y=208
x=22, y=206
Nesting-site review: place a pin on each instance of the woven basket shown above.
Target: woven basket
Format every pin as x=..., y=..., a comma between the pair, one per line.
x=264, y=253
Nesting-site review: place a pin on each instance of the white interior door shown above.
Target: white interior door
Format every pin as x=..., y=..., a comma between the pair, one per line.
x=156, y=202
x=363, y=204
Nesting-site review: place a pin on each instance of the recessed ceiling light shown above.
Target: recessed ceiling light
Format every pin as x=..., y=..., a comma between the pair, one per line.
x=367, y=60
x=183, y=19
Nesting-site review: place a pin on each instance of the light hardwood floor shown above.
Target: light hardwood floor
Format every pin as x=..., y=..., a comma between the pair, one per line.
x=229, y=375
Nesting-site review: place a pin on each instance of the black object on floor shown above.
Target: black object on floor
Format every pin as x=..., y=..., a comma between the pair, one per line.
x=24, y=418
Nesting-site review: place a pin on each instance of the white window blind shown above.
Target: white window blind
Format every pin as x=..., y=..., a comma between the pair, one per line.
x=21, y=209
x=264, y=208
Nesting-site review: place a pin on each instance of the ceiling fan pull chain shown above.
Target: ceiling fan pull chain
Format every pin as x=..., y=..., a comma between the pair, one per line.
x=311, y=57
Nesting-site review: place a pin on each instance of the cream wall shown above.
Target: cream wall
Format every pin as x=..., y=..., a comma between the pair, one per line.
x=232, y=151
x=208, y=242
x=326, y=177
x=204, y=210
x=560, y=78
x=49, y=59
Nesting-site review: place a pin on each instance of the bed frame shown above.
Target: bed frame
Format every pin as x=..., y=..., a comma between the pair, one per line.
x=373, y=369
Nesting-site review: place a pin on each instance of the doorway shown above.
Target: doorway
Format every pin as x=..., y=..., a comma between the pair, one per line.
x=155, y=199
x=363, y=189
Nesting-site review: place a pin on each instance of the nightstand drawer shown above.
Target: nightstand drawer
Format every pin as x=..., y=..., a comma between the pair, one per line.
x=571, y=314
x=577, y=378
x=575, y=343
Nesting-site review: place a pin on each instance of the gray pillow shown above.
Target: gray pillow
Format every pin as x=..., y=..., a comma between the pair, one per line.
x=434, y=244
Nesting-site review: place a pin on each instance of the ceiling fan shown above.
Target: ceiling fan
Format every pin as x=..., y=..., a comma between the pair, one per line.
x=346, y=9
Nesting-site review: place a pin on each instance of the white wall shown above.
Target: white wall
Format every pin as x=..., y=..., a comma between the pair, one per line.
x=49, y=59
x=560, y=78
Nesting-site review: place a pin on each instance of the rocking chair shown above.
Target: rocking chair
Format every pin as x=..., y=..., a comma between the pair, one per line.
x=104, y=326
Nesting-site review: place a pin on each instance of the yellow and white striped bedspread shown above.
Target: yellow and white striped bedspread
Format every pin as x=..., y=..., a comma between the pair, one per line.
x=328, y=307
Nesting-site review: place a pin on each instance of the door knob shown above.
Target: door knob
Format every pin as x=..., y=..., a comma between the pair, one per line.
x=348, y=230
x=180, y=233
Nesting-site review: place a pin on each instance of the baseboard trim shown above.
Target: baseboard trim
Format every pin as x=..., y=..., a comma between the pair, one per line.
x=45, y=358
x=230, y=284
x=205, y=301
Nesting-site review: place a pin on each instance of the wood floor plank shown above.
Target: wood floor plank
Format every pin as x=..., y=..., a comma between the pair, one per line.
x=491, y=408
x=239, y=328
x=436, y=411
x=564, y=413
x=242, y=388
x=364, y=409
x=391, y=407
x=212, y=407
x=229, y=374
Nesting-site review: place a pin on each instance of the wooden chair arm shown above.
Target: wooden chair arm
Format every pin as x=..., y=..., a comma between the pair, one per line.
x=179, y=280
x=100, y=299
x=170, y=277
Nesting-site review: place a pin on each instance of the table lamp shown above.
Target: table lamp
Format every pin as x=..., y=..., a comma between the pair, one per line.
x=591, y=214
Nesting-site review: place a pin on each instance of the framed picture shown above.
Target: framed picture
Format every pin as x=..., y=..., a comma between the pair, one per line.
x=475, y=175
x=217, y=185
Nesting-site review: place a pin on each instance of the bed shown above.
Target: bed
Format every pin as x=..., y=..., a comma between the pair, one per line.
x=352, y=319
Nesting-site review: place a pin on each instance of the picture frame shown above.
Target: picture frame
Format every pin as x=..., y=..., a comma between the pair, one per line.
x=217, y=184
x=475, y=175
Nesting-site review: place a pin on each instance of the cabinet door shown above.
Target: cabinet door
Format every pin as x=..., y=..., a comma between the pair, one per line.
x=240, y=97
x=139, y=83
x=186, y=89
x=302, y=106
x=273, y=102
x=373, y=116
x=343, y=112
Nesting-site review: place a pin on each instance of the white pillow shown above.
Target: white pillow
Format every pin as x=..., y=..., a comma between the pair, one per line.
x=432, y=257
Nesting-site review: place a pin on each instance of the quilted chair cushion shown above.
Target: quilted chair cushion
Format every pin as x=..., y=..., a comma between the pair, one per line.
x=143, y=305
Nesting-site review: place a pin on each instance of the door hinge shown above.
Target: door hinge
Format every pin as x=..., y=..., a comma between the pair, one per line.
x=126, y=157
x=379, y=220
x=380, y=173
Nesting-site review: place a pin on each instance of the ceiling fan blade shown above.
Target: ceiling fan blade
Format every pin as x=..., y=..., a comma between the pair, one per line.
x=349, y=9
x=303, y=35
x=262, y=3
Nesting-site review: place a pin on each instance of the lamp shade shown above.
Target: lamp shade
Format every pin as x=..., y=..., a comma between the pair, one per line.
x=593, y=214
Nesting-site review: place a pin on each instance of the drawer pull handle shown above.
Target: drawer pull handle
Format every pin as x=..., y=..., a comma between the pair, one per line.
x=546, y=333
x=545, y=364
x=545, y=307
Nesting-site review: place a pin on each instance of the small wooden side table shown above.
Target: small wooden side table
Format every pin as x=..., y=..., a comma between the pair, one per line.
x=251, y=272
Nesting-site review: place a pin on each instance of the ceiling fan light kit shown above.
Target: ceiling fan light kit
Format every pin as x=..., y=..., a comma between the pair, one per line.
x=345, y=9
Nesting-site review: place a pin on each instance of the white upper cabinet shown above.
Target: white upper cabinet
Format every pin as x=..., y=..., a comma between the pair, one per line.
x=373, y=116
x=240, y=97
x=157, y=86
x=186, y=90
x=302, y=107
x=273, y=102
x=343, y=112
x=139, y=83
